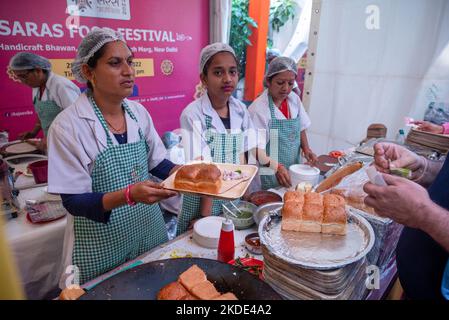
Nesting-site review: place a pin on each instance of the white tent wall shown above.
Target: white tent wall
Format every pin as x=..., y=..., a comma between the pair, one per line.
x=292, y=38
x=219, y=20
x=363, y=76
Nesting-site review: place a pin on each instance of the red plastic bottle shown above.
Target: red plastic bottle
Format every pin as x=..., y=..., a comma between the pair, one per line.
x=226, y=247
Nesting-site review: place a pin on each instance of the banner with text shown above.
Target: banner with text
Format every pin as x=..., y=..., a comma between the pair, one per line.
x=166, y=37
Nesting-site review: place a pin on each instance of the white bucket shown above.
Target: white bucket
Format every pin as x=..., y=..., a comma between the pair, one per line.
x=304, y=173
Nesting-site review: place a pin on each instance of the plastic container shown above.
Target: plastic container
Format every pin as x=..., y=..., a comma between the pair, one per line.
x=304, y=173
x=226, y=245
x=243, y=220
x=39, y=169
x=206, y=231
x=400, y=137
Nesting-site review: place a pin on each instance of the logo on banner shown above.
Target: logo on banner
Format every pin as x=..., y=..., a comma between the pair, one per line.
x=109, y=9
x=167, y=67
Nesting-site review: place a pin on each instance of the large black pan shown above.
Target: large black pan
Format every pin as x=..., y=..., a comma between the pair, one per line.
x=144, y=282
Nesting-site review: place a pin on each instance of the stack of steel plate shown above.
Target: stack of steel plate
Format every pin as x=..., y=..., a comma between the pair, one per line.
x=300, y=265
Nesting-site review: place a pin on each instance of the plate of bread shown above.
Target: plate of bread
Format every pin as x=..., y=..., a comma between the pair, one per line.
x=316, y=231
x=183, y=279
x=218, y=180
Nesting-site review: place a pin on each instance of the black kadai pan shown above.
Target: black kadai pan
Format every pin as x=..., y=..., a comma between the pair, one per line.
x=144, y=281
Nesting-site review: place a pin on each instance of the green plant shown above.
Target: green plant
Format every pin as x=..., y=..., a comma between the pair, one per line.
x=280, y=12
x=241, y=24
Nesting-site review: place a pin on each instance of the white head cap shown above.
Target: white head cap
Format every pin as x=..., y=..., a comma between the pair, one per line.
x=280, y=64
x=28, y=61
x=90, y=44
x=211, y=50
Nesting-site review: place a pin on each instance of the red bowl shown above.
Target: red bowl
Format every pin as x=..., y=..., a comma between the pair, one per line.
x=262, y=197
x=39, y=169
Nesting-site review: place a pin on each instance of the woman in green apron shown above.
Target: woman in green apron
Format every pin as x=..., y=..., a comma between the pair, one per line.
x=102, y=151
x=280, y=114
x=214, y=126
x=51, y=92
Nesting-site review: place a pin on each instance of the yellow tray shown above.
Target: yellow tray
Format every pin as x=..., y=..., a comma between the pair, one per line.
x=229, y=190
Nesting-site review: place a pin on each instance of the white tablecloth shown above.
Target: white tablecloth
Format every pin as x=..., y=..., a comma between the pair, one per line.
x=37, y=248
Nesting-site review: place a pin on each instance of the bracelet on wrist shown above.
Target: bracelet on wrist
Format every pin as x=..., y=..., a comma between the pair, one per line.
x=128, y=197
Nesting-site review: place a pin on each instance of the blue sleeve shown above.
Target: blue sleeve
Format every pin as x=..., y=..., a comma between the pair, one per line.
x=88, y=205
x=162, y=170
x=445, y=283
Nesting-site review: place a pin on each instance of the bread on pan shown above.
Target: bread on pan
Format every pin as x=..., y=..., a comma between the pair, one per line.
x=312, y=217
x=333, y=200
x=191, y=277
x=291, y=224
x=294, y=196
x=71, y=293
x=172, y=291
x=292, y=211
x=226, y=296
x=313, y=212
x=313, y=198
x=334, y=220
x=205, y=291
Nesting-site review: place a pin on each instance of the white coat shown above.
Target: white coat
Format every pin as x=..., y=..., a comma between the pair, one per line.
x=193, y=125
x=60, y=90
x=261, y=116
x=75, y=139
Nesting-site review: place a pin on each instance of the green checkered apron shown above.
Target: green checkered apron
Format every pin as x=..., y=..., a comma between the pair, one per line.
x=225, y=148
x=286, y=133
x=46, y=111
x=131, y=230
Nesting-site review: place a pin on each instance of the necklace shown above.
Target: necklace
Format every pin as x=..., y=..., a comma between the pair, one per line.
x=119, y=130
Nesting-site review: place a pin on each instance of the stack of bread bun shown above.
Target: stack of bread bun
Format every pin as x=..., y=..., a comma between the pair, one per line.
x=355, y=198
x=313, y=212
x=200, y=177
x=193, y=285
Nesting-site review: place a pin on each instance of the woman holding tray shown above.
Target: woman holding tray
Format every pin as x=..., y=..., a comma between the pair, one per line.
x=216, y=127
x=101, y=152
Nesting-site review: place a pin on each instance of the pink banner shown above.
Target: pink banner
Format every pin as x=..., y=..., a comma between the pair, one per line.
x=166, y=37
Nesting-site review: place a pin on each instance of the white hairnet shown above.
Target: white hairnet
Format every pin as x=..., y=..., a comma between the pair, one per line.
x=28, y=61
x=281, y=64
x=272, y=53
x=211, y=50
x=90, y=44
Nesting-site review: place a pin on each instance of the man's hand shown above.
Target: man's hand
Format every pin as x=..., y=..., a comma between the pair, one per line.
x=402, y=200
x=390, y=155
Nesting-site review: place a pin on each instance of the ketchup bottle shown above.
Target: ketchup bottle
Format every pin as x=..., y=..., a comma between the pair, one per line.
x=226, y=248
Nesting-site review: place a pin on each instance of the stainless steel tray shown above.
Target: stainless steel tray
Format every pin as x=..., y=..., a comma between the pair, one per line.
x=316, y=250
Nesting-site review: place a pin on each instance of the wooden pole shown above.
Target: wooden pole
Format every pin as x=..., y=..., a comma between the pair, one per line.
x=259, y=10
